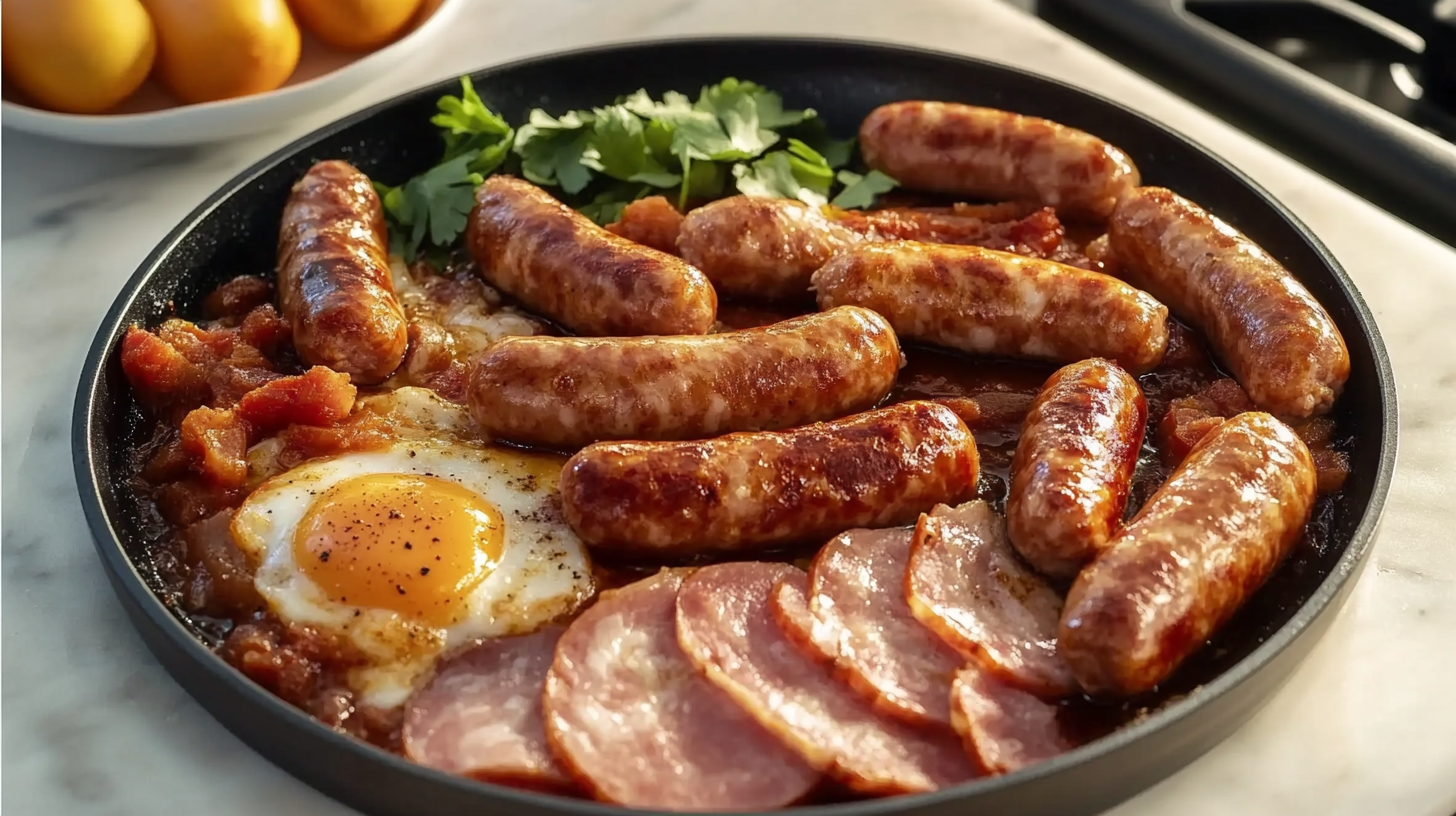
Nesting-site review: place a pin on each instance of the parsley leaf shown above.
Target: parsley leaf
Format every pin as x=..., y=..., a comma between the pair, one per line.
x=658, y=135
x=815, y=133
x=618, y=153
x=797, y=172
x=768, y=107
x=810, y=169
x=860, y=191
x=700, y=135
x=672, y=106
x=471, y=126
x=551, y=149
x=655, y=174
x=706, y=180
x=736, y=106
x=618, y=145
x=619, y=149
x=701, y=179
x=435, y=203
x=773, y=177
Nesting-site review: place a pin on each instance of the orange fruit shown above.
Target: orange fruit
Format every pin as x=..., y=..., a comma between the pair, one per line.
x=220, y=49
x=355, y=25
x=77, y=56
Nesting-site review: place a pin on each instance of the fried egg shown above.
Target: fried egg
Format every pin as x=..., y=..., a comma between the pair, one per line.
x=413, y=550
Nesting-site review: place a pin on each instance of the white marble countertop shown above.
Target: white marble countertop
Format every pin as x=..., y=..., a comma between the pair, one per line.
x=94, y=726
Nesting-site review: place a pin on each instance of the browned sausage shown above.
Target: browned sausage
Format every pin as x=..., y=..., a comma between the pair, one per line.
x=988, y=302
x=749, y=492
x=1272, y=334
x=988, y=153
x=768, y=248
x=565, y=392
x=333, y=275
x=1190, y=558
x=1073, y=466
x=562, y=266
x=763, y=248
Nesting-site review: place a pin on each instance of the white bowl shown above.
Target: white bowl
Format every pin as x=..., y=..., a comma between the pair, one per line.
x=325, y=78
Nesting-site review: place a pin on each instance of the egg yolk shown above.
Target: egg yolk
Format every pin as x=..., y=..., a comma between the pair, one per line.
x=410, y=544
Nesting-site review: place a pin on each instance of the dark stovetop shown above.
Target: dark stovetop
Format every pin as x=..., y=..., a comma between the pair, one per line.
x=1363, y=92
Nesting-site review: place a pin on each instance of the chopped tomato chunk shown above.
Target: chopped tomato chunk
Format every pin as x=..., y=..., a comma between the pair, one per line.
x=159, y=372
x=321, y=396
x=218, y=441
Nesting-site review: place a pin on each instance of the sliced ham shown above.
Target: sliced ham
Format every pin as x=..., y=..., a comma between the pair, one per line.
x=863, y=624
x=726, y=625
x=481, y=714
x=1004, y=728
x=638, y=724
x=965, y=582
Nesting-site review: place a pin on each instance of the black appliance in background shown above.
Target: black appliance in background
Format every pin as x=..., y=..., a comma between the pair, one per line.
x=1362, y=92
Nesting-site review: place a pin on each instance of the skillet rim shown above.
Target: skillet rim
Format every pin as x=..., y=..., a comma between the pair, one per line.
x=144, y=606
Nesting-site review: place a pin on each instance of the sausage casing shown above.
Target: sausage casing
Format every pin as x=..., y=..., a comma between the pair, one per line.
x=1275, y=338
x=749, y=492
x=762, y=248
x=1190, y=558
x=769, y=248
x=988, y=302
x=562, y=266
x=333, y=275
x=1073, y=466
x=989, y=153
x=565, y=392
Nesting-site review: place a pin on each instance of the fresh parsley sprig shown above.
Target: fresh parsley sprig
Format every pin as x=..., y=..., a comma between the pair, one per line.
x=436, y=203
x=860, y=190
x=692, y=147
x=470, y=126
x=735, y=135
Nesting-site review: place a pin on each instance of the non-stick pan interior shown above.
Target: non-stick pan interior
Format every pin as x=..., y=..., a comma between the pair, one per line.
x=235, y=232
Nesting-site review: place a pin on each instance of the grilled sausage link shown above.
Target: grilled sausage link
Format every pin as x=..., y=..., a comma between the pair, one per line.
x=1190, y=558
x=565, y=392
x=762, y=248
x=563, y=267
x=748, y=492
x=988, y=153
x=333, y=275
x=1073, y=466
x=1275, y=338
x=769, y=248
x=988, y=302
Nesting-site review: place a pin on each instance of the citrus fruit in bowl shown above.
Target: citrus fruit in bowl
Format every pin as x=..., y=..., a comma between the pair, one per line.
x=176, y=72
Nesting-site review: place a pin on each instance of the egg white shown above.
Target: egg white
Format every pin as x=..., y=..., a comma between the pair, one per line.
x=544, y=571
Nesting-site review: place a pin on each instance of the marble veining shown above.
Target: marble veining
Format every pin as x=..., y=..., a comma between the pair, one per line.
x=96, y=727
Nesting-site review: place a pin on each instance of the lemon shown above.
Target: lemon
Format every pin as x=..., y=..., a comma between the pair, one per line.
x=355, y=25
x=77, y=56
x=220, y=49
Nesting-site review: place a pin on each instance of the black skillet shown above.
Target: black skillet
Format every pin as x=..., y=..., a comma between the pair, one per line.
x=235, y=231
